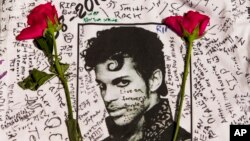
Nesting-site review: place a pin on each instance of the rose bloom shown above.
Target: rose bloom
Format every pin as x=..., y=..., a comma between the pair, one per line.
x=188, y=22
x=124, y=92
x=38, y=21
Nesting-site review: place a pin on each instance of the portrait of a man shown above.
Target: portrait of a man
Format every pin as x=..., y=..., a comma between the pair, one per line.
x=130, y=69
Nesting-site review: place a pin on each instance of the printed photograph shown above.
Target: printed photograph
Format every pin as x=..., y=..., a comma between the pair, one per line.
x=126, y=67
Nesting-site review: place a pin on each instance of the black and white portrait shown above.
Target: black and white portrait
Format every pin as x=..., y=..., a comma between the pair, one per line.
x=127, y=64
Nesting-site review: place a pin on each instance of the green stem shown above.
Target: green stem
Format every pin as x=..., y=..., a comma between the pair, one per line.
x=186, y=69
x=74, y=132
x=63, y=80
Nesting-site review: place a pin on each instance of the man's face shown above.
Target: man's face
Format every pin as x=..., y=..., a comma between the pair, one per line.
x=124, y=92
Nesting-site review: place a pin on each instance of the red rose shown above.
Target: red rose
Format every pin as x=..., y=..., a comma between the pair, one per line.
x=189, y=22
x=191, y=26
x=38, y=21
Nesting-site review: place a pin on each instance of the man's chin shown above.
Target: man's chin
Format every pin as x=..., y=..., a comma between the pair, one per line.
x=121, y=120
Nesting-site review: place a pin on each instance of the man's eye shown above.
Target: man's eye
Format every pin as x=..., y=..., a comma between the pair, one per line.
x=123, y=83
x=101, y=86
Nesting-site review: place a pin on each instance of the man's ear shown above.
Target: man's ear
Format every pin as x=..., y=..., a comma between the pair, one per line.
x=155, y=80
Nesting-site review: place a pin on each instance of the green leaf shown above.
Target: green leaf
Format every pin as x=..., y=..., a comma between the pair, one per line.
x=52, y=27
x=50, y=23
x=49, y=41
x=73, y=130
x=64, y=68
x=46, y=45
x=35, y=80
x=190, y=37
x=186, y=34
x=195, y=34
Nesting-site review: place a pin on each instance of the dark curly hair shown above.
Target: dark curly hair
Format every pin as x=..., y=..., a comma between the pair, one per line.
x=143, y=46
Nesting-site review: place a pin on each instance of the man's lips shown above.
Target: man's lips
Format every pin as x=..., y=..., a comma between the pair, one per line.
x=116, y=112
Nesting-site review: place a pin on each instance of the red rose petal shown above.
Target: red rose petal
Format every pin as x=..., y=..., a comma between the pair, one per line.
x=175, y=23
x=188, y=22
x=37, y=21
x=31, y=32
x=192, y=19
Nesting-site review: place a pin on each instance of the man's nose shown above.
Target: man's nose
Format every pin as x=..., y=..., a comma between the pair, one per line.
x=111, y=94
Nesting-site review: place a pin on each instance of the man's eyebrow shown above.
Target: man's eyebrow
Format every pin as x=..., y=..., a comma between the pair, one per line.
x=117, y=80
x=98, y=81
